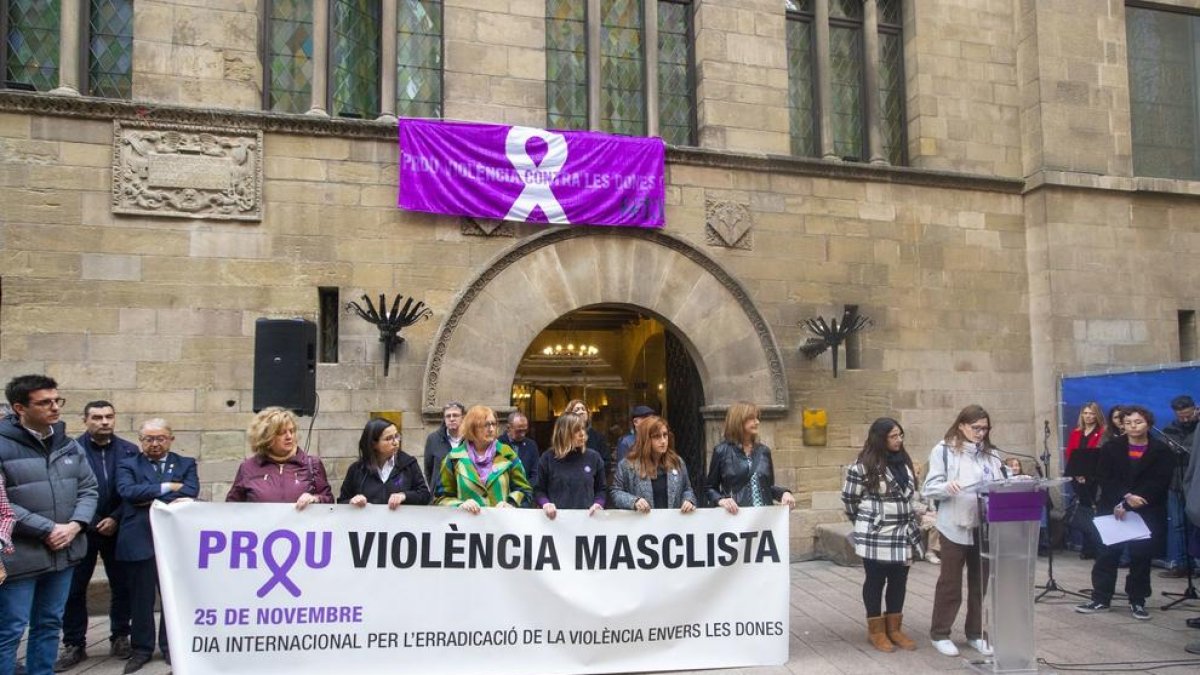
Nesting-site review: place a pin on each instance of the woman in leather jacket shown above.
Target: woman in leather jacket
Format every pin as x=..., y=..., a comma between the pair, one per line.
x=741, y=472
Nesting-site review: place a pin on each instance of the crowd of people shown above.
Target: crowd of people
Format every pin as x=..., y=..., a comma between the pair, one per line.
x=1116, y=464
x=60, y=513
x=65, y=502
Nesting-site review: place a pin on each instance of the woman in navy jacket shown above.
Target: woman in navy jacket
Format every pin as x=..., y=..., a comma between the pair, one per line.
x=383, y=474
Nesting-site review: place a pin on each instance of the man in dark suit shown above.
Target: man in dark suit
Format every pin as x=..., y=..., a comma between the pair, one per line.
x=104, y=451
x=155, y=474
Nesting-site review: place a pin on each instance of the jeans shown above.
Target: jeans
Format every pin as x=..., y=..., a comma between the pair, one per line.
x=36, y=602
x=75, y=618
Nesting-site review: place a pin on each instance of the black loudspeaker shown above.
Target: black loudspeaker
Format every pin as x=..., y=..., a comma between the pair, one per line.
x=285, y=365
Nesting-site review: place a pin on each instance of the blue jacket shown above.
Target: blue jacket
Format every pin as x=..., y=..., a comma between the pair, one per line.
x=104, y=460
x=139, y=485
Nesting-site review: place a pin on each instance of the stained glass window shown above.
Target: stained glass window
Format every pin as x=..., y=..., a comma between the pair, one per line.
x=419, y=58
x=110, y=49
x=622, y=55
x=802, y=99
x=1163, y=86
x=848, y=63
x=31, y=45
x=354, y=56
x=846, y=90
x=290, y=56
x=566, y=64
x=622, y=68
x=676, y=93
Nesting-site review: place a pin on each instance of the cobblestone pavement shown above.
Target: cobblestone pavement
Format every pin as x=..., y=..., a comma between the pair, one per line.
x=829, y=633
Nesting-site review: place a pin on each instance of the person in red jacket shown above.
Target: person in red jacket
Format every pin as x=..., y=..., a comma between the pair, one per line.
x=1081, y=452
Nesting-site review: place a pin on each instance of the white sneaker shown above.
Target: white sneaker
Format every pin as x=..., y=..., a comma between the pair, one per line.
x=932, y=558
x=981, y=645
x=945, y=647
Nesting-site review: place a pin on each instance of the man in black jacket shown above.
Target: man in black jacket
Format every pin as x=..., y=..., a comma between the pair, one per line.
x=53, y=495
x=104, y=451
x=440, y=442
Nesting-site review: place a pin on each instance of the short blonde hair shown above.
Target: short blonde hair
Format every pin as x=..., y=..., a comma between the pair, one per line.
x=562, y=441
x=735, y=421
x=266, y=426
x=472, y=424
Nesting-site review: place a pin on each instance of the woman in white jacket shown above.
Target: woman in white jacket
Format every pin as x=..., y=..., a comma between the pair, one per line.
x=965, y=457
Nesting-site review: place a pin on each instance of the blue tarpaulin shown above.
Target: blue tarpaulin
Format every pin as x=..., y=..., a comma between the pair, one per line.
x=1152, y=388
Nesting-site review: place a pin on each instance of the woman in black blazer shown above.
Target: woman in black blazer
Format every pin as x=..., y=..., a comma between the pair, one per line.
x=383, y=474
x=1133, y=474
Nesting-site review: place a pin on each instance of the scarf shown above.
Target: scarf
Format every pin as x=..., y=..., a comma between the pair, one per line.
x=899, y=469
x=483, y=463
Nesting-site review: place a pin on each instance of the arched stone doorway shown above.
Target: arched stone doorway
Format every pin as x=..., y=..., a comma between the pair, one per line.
x=483, y=337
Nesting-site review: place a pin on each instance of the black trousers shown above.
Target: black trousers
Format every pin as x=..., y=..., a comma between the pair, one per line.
x=893, y=576
x=75, y=614
x=143, y=584
x=1137, y=580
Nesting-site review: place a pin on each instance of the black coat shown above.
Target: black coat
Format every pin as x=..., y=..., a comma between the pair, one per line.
x=729, y=474
x=1148, y=478
x=405, y=477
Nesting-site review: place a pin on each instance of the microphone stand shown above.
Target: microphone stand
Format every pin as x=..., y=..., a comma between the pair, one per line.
x=1188, y=593
x=1051, y=586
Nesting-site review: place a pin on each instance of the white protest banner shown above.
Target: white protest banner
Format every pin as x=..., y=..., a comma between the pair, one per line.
x=263, y=588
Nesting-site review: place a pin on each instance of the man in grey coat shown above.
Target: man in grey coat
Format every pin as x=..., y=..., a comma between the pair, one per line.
x=53, y=494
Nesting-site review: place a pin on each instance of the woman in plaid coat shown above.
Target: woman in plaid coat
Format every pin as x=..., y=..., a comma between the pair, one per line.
x=878, y=495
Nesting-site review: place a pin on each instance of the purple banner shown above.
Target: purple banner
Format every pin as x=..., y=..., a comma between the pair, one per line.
x=1007, y=507
x=530, y=175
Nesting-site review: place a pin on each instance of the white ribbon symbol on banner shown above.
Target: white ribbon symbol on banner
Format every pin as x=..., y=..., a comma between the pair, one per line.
x=537, y=190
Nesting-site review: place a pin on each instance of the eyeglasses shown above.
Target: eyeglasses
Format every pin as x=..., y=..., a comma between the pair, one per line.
x=48, y=402
x=491, y=424
x=151, y=440
x=980, y=429
x=390, y=439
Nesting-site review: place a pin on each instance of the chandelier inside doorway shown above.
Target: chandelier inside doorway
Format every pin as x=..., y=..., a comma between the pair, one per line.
x=571, y=349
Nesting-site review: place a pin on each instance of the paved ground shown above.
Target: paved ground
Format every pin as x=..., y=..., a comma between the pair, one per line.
x=829, y=636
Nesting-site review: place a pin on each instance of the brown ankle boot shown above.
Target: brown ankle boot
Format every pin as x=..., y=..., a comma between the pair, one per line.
x=896, y=635
x=877, y=634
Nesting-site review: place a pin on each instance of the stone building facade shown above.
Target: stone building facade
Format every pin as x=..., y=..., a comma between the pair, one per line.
x=1015, y=241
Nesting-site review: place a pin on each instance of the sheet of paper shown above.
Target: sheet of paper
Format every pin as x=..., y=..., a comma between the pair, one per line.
x=1113, y=531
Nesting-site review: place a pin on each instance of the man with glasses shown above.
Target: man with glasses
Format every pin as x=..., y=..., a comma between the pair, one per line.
x=439, y=444
x=157, y=474
x=53, y=494
x=104, y=451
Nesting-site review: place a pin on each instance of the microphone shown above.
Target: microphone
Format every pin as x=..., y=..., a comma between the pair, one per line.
x=1175, y=445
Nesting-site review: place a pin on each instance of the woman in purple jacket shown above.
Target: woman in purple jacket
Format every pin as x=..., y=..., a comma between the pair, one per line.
x=279, y=471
